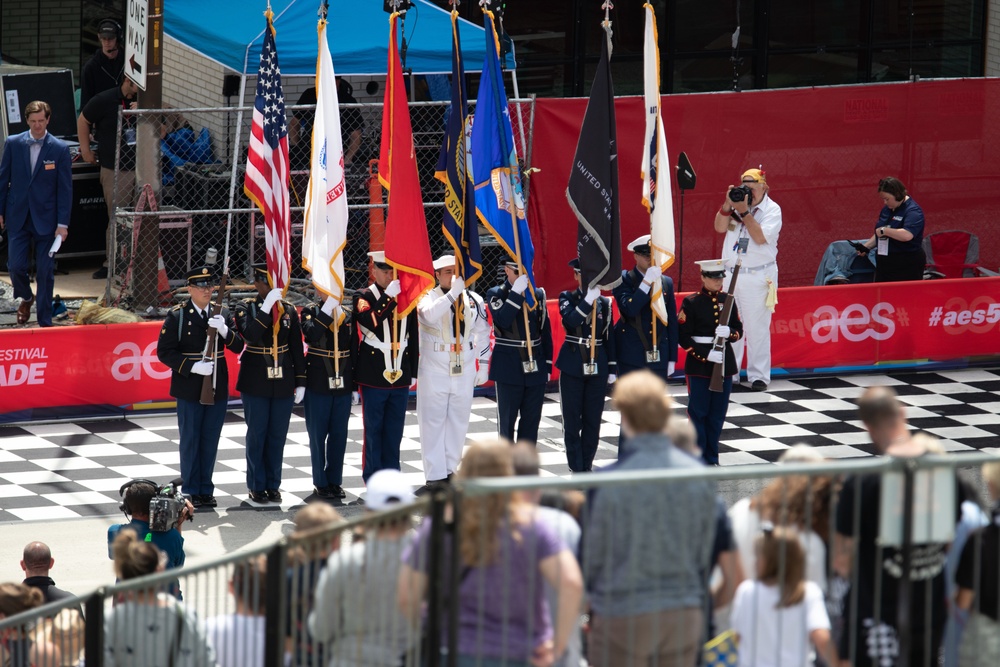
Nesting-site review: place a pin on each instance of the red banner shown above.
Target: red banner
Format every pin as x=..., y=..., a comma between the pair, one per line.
x=813, y=327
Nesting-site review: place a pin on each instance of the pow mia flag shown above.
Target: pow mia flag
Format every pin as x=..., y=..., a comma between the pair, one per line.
x=593, y=184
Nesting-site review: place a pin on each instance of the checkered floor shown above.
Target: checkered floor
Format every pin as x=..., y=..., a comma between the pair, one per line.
x=58, y=471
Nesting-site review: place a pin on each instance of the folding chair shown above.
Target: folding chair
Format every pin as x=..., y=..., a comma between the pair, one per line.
x=953, y=254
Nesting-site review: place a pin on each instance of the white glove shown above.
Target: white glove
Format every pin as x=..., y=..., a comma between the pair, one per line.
x=482, y=374
x=653, y=274
x=715, y=357
x=670, y=367
x=520, y=284
x=612, y=378
x=300, y=393
x=592, y=295
x=328, y=305
x=218, y=322
x=202, y=367
x=272, y=298
x=457, y=287
x=722, y=331
x=393, y=289
x=355, y=398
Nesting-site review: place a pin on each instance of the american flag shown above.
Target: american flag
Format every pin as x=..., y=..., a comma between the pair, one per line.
x=266, y=181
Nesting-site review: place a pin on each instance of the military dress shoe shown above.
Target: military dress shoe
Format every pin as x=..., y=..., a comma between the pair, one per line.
x=322, y=492
x=258, y=497
x=24, y=310
x=337, y=491
x=273, y=495
x=209, y=500
x=759, y=385
x=197, y=502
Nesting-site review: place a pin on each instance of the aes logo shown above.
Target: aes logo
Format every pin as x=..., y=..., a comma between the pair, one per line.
x=854, y=324
x=132, y=362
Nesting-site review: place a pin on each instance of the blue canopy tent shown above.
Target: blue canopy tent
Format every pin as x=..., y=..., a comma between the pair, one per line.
x=230, y=32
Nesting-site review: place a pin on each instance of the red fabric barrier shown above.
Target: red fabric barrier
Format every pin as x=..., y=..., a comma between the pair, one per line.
x=823, y=149
x=813, y=327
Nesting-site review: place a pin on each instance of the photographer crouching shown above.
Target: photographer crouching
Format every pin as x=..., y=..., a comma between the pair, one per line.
x=156, y=514
x=751, y=221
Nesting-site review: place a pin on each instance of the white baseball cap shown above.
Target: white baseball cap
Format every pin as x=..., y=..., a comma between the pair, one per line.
x=388, y=487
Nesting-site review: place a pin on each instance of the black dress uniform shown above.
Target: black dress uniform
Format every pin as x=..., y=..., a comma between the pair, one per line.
x=707, y=409
x=267, y=398
x=634, y=328
x=518, y=391
x=383, y=403
x=582, y=394
x=328, y=394
x=181, y=344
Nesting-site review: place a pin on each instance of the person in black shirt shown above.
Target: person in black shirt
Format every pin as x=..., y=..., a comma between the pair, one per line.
x=36, y=563
x=104, y=69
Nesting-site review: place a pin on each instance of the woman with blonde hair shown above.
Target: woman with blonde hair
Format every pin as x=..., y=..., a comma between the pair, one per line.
x=148, y=627
x=505, y=553
x=778, y=613
x=19, y=646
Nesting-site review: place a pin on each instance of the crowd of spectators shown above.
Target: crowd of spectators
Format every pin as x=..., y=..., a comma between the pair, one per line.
x=634, y=574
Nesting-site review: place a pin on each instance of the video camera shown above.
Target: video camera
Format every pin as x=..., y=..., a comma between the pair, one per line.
x=166, y=507
x=741, y=192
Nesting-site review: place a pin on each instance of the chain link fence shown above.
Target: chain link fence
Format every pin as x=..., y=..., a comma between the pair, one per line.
x=201, y=209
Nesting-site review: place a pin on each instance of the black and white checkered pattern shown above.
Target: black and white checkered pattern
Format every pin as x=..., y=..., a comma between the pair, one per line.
x=66, y=470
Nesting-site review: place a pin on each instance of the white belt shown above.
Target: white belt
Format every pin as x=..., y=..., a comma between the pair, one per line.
x=444, y=347
x=378, y=344
x=510, y=342
x=705, y=340
x=755, y=269
x=582, y=341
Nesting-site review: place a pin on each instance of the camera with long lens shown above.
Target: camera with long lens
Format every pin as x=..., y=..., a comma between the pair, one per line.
x=741, y=192
x=166, y=508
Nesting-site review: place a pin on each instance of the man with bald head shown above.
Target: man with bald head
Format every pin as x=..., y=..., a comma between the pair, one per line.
x=36, y=563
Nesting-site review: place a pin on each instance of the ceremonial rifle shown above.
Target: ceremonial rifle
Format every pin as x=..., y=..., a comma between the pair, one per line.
x=208, y=383
x=720, y=342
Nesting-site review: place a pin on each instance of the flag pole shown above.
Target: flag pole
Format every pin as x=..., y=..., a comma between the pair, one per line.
x=522, y=271
x=593, y=330
x=459, y=261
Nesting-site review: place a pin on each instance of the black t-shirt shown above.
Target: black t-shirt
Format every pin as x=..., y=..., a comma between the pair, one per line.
x=350, y=121
x=873, y=563
x=978, y=571
x=102, y=112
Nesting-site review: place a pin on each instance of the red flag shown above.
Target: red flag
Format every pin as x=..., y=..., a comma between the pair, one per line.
x=407, y=247
x=266, y=181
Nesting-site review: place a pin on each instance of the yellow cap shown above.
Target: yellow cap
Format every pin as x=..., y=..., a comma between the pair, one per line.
x=756, y=174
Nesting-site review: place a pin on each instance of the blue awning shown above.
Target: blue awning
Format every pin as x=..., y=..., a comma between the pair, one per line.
x=358, y=33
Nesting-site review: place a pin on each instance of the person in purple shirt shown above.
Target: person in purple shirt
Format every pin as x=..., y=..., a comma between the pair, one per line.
x=505, y=555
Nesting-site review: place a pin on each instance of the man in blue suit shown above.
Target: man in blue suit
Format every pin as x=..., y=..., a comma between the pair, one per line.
x=634, y=329
x=36, y=197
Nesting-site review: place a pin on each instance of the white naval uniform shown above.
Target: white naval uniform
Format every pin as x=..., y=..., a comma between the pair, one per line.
x=759, y=266
x=444, y=401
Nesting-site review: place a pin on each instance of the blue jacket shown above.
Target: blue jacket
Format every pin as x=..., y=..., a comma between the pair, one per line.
x=575, y=314
x=635, y=315
x=46, y=192
x=508, y=325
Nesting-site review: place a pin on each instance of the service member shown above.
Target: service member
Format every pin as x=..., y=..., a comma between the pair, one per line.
x=519, y=377
x=272, y=378
x=183, y=347
x=583, y=379
x=634, y=340
x=454, y=338
x=329, y=384
x=385, y=367
x=699, y=329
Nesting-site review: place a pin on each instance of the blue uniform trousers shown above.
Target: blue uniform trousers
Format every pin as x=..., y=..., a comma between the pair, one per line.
x=18, y=264
x=514, y=399
x=201, y=427
x=707, y=412
x=267, y=428
x=326, y=422
x=582, y=408
x=383, y=412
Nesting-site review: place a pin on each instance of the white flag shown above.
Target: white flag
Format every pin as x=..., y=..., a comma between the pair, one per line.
x=656, y=170
x=325, y=233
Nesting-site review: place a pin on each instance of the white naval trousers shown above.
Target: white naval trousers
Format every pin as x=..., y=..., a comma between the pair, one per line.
x=444, y=404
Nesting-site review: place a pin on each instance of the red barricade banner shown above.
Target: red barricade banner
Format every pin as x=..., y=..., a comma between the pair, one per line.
x=812, y=327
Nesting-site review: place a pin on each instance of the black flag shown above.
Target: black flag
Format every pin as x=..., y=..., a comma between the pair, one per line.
x=593, y=185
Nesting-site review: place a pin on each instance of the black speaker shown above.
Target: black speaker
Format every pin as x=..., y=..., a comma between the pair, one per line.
x=230, y=85
x=686, y=178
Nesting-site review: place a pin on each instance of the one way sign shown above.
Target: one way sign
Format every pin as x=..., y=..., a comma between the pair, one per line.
x=135, y=42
